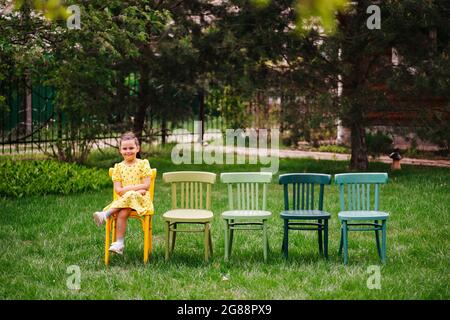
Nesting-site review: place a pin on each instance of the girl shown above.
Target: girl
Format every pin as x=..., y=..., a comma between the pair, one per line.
x=131, y=179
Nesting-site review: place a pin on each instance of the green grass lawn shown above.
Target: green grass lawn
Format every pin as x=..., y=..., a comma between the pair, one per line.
x=40, y=237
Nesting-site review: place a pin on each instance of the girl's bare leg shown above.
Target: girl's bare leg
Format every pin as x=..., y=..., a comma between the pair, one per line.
x=111, y=211
x=122, y=222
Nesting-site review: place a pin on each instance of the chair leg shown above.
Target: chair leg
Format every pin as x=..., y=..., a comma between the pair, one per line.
x=227, y=243
x=173, y=237
x=107, y=240
x=146, y=234
x=114, y=229
x=265, y=240
x=210, y=243
x=167, y=239
x=345, y=240
x=319, y=231
x=383, y=235
x=206, y=242
x=377, y=237
x=325, y=233
x=231, y=236
x=285, y=238
x=341, y=242
x=150, y=236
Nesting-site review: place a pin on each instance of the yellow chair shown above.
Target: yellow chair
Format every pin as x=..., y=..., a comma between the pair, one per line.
x=191, y=209
x=146, y=221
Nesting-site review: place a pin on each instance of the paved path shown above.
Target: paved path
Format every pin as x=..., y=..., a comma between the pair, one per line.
x=340, y=156
x=283, y=153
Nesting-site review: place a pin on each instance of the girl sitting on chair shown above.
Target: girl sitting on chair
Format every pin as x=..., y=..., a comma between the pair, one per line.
x=131, y=179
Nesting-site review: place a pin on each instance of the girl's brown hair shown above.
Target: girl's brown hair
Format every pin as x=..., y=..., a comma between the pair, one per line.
x=129, y=136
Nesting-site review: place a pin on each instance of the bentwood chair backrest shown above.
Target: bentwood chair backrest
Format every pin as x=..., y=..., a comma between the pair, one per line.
x=362, y=190
x=303, y=186
x=190, y=189
x=247, y=190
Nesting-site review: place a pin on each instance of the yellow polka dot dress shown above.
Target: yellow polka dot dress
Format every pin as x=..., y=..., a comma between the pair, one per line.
x=131, y=175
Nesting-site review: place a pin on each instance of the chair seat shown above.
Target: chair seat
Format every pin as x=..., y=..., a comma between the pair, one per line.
x=304, y=214
x=363, y=215
x=134, y=214
x=246, y=214
x=188, y=215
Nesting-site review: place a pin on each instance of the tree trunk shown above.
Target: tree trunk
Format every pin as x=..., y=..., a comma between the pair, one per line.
x=354, y=117
x=59, y=136
x=201, y=98
x=143, y=103
x=163, y=131
x=354, y=120
x=359, y=159
x=121, y=99
x=28, y=111
x=353, y=82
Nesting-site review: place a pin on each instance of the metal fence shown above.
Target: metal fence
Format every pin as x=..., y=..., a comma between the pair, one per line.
x=29, y=123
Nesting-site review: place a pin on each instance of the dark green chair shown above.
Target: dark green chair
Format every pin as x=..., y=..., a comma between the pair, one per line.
x=301, y=209
x=357, y=205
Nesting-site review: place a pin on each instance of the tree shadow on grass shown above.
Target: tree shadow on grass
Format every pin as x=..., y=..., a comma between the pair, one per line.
x=243, y=257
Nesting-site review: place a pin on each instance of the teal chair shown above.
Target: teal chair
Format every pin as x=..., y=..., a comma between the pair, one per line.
x=305, y=212
x=247, y=206
x=358, y=205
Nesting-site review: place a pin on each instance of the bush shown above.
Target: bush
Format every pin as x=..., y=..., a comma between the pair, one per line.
x=378, y=144
x=24, y=178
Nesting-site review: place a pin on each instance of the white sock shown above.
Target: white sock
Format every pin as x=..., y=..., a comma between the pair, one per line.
x=108, y=213
x=120, y=240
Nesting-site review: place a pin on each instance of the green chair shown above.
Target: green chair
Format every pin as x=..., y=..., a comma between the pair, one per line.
x=302, y=207
x=193, y=207
x=360, y=207
x=247, y=210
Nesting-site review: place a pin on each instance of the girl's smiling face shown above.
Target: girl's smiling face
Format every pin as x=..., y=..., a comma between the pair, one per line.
x=129, y=150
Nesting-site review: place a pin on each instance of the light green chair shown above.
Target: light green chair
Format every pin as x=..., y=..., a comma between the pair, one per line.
x=360, y=209
x=192, y=206
x=247, y=209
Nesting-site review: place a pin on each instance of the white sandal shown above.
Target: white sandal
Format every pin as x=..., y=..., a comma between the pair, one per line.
x=117, y=247
x=99, y=218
